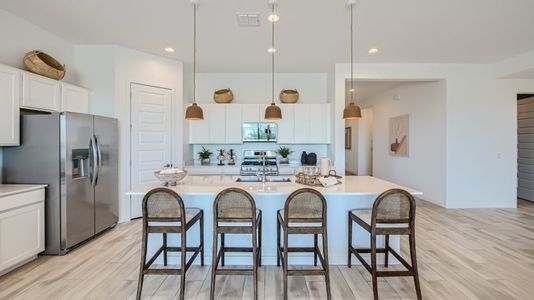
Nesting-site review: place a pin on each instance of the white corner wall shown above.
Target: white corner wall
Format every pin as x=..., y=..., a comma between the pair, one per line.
x=481, y=154
x=424, y=169
x=20, y=36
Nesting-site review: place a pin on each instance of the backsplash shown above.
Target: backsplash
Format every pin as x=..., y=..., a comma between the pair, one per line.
x=320, y=150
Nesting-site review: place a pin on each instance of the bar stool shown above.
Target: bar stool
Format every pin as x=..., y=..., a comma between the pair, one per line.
x=235, y=212
x=304, y=213
x=164, y=212
x=393, y=213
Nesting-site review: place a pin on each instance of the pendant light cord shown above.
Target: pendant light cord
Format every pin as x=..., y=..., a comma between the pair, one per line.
x=351, y=54
x=272, y=56
x=194, y=53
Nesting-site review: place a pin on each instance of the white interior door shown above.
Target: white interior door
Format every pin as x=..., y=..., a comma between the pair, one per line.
x=151, y=137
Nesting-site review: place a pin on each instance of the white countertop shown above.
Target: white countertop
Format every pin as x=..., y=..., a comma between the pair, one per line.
x=13, y=189
x=212, y=185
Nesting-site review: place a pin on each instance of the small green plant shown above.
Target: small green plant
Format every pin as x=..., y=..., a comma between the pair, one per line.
x=284, y=152
x=205, y=153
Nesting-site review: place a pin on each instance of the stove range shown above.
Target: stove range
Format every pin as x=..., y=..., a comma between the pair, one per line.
x=253, y=165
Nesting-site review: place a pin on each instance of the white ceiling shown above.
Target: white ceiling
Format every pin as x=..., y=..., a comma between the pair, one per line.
x=311, y=35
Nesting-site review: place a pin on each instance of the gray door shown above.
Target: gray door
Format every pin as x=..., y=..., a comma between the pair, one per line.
x=77, y=158
x=106, y=187
x=525, y=148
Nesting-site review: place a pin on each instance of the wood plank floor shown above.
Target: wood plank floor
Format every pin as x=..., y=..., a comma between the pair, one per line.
x=462, y=254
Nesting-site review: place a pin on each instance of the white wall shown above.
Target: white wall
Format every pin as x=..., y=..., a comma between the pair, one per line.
x=424, y=169
x=480, y=128
x=365, y=142
x=351, y=155
x=256, y=87
x=19, y=37
x=108, y=72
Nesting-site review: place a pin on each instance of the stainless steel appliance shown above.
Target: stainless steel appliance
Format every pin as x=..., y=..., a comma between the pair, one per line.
x=77, y=156
x=259, y=132
x=253, y=163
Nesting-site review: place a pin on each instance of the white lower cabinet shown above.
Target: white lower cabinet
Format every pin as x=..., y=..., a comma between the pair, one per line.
x=21, y=228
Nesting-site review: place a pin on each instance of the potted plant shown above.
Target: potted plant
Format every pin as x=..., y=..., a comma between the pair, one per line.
x=205, y=155
x=284, y=152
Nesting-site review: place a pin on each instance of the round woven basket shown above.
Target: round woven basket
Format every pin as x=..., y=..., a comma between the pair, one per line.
x=43, y=64
x=289, y=96
x=223, y=96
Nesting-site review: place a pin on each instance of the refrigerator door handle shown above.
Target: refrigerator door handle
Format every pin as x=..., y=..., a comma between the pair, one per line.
x=94, y=161
x=98, y=160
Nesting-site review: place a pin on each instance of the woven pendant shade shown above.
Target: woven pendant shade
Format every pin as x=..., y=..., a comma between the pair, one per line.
x=194, y=112
x=352, y=112
x=273, y=112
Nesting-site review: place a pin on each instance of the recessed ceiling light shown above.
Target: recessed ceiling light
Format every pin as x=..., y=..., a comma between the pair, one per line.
x=271, y=50
x=273, y=18
x=169, y=50
x=373, y=51
x=351, y=90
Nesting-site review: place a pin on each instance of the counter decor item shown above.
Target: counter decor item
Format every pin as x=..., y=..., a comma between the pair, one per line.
x=223, y=96
x=221, y=157
x=170, y=176
x=311, y=159
x=303, y=157
x=289, y=96
x=231, y=157
x=204, y=156
x=43, y=64
x=325, y=164
x=284, y=152
x=316, y=179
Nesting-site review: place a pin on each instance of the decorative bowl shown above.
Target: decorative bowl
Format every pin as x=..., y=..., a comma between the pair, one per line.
x=170, y=179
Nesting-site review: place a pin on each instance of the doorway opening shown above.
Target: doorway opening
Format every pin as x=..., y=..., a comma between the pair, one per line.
x=525, y=147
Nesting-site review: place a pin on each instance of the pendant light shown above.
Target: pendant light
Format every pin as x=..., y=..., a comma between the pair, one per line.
x=273, y=112
x=352, y=111
x=194, y=112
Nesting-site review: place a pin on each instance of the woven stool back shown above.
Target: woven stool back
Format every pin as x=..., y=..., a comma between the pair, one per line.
x=305, y=204
x=394, y=206
x=163, y=205
x=235, y=203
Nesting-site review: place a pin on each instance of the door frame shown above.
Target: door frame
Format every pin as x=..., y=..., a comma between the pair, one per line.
x=128, y=128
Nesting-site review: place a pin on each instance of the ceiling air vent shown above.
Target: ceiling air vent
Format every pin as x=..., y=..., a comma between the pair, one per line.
x=248, y=19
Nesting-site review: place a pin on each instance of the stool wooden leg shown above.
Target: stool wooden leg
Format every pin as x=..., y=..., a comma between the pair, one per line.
x=223, y=250
x=259, y=240
x=326, y=266
x=214, y=262
x=315, y=245
x=164, y=249
x=414, y=267
x=285, y=261
x=202, y=237
x=142, y=268
x=255, y=262
x=373, y=266
x=349, y=239
x=277, y=242
x=184, y=256
x=386, y=255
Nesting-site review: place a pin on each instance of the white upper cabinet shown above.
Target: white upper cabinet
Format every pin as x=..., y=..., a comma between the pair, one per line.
x=74, y=99
x=286, y=126
x=312, y=124
x=217, y=123
x=234, y=124
x=300, y=123
x=40, y=93
x=251, y=113
x=10, y=92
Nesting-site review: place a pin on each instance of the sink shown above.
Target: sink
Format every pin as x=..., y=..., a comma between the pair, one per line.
x=259, y=179
x=248, y=179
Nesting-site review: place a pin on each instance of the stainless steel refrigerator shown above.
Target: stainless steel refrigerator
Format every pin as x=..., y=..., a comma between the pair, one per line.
x=77, y=156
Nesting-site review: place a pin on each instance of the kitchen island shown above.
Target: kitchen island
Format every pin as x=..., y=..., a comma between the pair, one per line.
x=353, y=192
